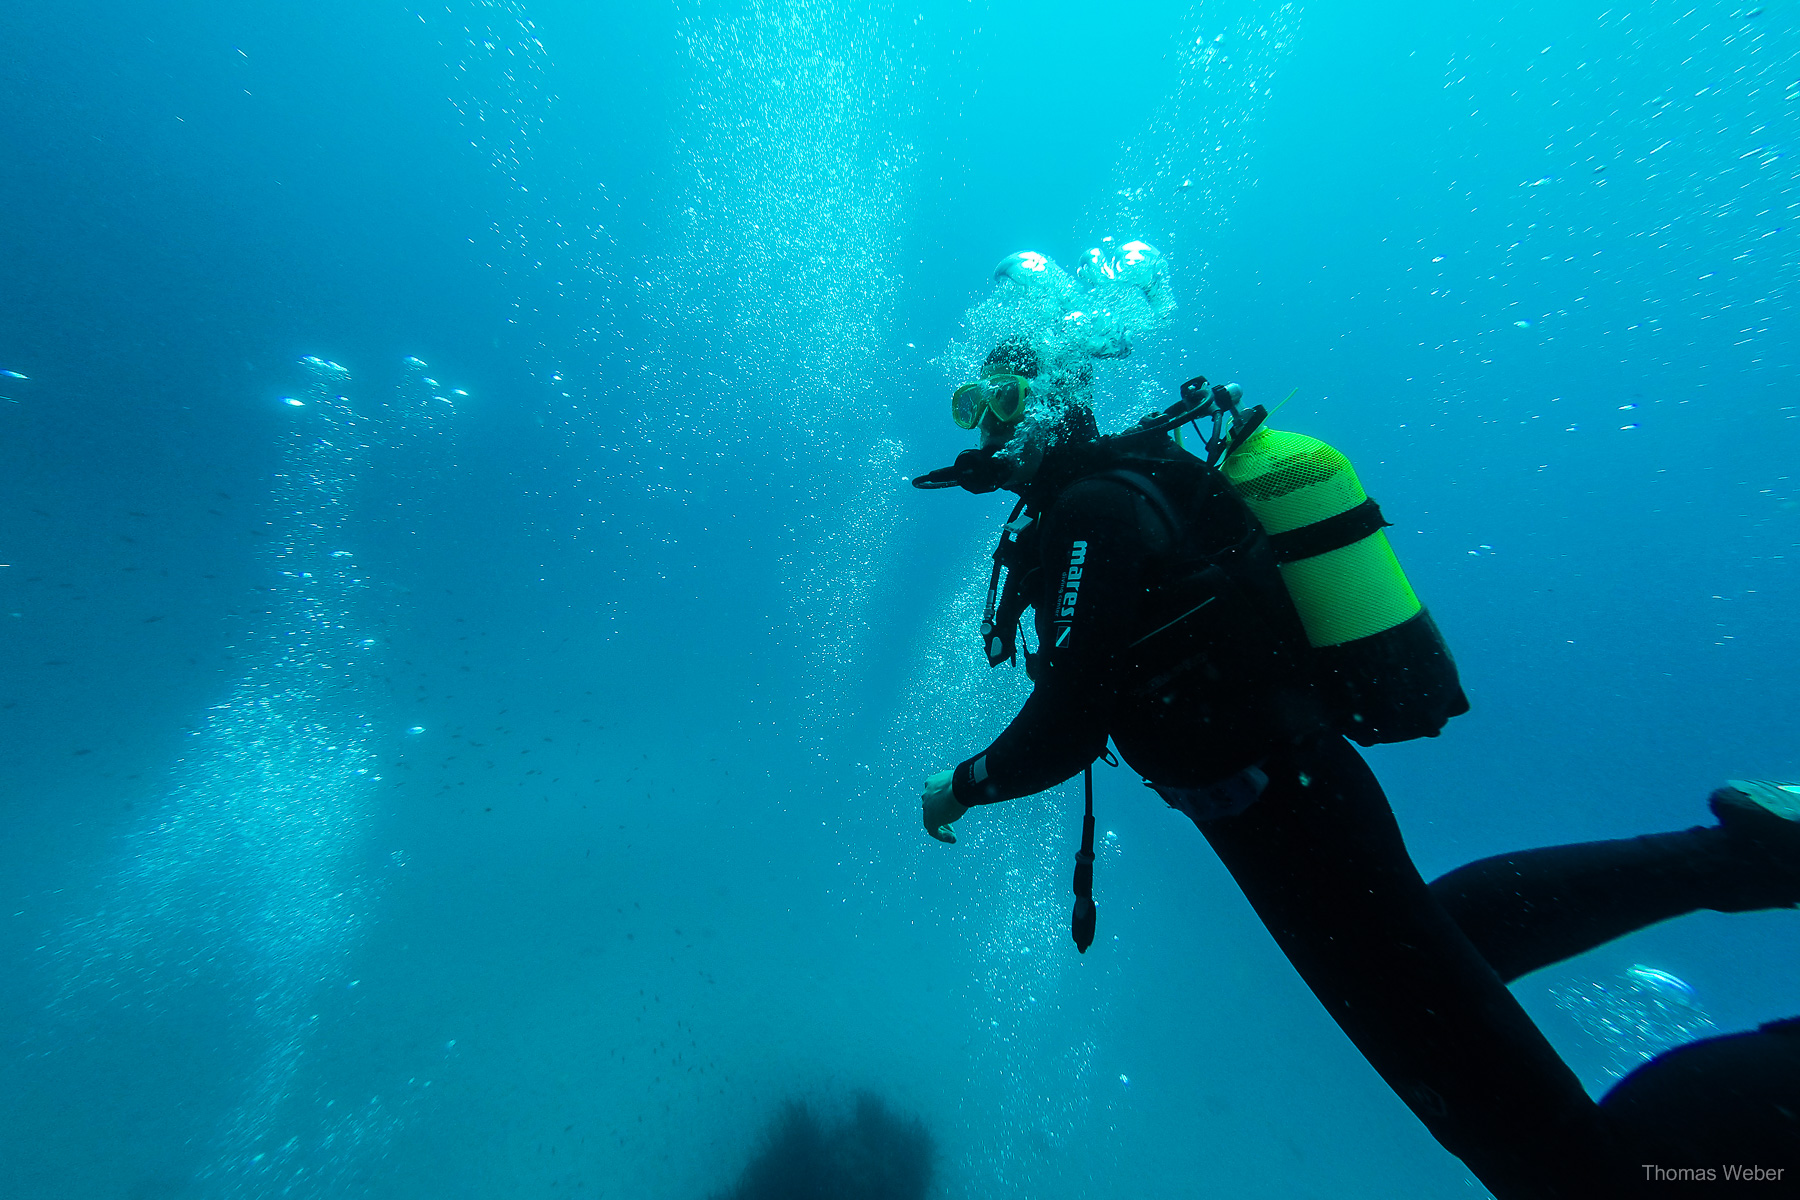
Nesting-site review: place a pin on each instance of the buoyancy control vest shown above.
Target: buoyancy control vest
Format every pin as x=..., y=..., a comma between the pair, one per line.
x=1212, y=677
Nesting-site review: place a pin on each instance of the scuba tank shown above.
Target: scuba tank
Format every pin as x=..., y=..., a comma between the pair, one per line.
x=1383, y=668
x=1385, y=671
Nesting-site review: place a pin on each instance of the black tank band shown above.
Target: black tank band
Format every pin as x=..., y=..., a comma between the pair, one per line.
x=1333, y=533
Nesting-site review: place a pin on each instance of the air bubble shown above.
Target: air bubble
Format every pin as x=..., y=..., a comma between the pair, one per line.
x=1636, y=1016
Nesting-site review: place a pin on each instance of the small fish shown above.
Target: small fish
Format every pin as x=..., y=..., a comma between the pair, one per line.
x=1521, y=324
x=12, y=375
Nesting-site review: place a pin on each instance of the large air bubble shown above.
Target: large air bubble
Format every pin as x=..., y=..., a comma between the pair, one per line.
x=1635, y=1016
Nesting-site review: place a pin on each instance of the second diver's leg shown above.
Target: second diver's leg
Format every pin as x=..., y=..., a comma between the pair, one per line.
x=1321, y=859
x=1536, y=907
x=1733, y=1099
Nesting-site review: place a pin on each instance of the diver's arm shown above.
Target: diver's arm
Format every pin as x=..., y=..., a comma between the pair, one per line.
x=1094, y=548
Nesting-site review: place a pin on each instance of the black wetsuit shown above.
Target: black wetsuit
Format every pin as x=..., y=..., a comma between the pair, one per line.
x=1411, y=981
x=1189, y=670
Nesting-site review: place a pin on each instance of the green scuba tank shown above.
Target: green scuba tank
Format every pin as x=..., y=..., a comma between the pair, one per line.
x=1385, y=670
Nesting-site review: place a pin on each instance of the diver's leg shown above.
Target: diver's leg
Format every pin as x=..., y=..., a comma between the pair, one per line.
x=1733, y=1099
x=1536, y=907
x=1321, y=860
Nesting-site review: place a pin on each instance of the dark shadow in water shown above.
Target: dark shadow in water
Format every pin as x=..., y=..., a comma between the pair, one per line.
x=873, y=1154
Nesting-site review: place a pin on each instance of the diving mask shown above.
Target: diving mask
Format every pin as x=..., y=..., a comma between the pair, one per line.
x=1002, y=395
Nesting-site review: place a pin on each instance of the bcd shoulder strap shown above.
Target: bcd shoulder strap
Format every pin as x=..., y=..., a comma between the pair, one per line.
x=1147, y=487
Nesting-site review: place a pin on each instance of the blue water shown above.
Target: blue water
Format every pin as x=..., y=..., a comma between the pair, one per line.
x=497, y=773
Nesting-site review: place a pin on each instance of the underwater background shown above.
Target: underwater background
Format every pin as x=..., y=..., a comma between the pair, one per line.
x=470, y=653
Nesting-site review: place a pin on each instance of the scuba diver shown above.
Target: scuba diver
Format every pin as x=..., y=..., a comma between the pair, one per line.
x=1231, y=622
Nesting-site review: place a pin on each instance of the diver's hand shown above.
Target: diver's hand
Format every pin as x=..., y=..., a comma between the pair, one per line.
x=941, y=807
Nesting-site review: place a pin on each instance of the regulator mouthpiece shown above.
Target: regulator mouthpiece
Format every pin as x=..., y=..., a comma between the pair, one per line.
x=978, y=471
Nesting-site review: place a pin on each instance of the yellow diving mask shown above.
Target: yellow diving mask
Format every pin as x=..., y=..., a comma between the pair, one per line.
x=1002, y=395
